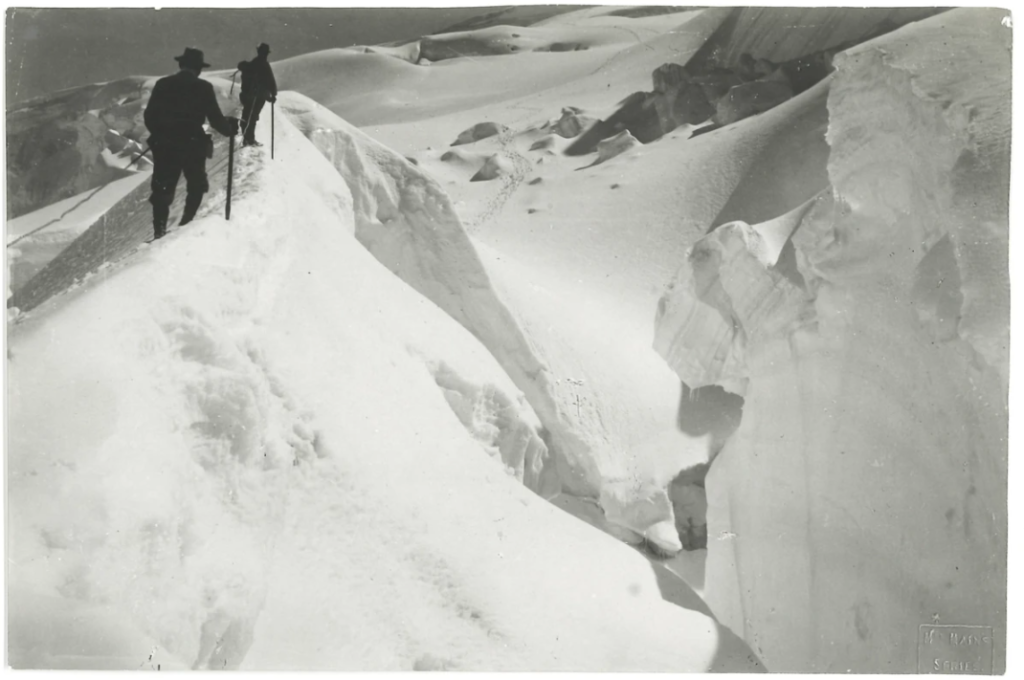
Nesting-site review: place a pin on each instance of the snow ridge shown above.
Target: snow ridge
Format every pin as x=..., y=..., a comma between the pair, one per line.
x=408, y=223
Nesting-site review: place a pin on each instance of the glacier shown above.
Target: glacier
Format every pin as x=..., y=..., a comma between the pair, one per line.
x=403, y=410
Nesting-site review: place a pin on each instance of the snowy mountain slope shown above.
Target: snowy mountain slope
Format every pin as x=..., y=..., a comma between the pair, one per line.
x=372, y=90
x=54, y=143
x=38, y=237
x=415, y=91
x=517, y=15
x=259, y=440
x=784, y=33
x=63, y=144
x=404, y=220
x=568, y=395
x=598, y=81
x=872, y=450
x=77, y=263
x=115, y=233
x=81, y=212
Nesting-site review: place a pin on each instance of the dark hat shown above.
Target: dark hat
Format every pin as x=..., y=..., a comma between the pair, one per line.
x=192, y=58
x=263, y=47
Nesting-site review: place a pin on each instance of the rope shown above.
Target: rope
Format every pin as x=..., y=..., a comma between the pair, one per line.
x=248, y=124
x=76, y=205
x=248, y=121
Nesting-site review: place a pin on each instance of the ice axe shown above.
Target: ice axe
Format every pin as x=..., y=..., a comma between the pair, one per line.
x=231, y=169
x=139, y=157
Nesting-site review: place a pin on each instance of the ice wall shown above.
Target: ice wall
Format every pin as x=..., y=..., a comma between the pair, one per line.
x=864, y=493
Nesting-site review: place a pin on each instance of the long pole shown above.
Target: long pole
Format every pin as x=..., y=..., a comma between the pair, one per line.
x=139, y=158
x=272, y=130
x=231, y=172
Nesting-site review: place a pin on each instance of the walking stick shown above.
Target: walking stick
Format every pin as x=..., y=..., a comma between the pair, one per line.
x=272, y=105
x=231, y=169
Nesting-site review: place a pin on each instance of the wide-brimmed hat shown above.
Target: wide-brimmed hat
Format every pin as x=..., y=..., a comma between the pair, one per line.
x=263, y=47
x=192, y=58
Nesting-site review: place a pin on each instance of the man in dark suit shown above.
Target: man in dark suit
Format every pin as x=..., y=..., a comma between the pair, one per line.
x=258, y=87
x=177, y=109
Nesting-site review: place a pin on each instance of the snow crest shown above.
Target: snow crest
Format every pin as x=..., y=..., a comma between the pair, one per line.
x=408, y=223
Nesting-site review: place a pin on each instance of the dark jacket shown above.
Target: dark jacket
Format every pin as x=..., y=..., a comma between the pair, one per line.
x=179, y=106
x=258, y=79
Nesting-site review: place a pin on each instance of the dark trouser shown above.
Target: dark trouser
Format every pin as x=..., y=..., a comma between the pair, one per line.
x=171, y=158
x=251, y=107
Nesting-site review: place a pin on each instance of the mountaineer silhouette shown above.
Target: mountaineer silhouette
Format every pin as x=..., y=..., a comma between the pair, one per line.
x=258, y=87
x=177, y=109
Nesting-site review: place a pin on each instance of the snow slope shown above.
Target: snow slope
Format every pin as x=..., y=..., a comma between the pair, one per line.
x=115, y=234
x=581, y=254
x=784, y=33
x=38, y=237
x=864, y=492
x=55, y=143
x=257, y=425
x=406, y=222
x=410, y=226
x=373, y=89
